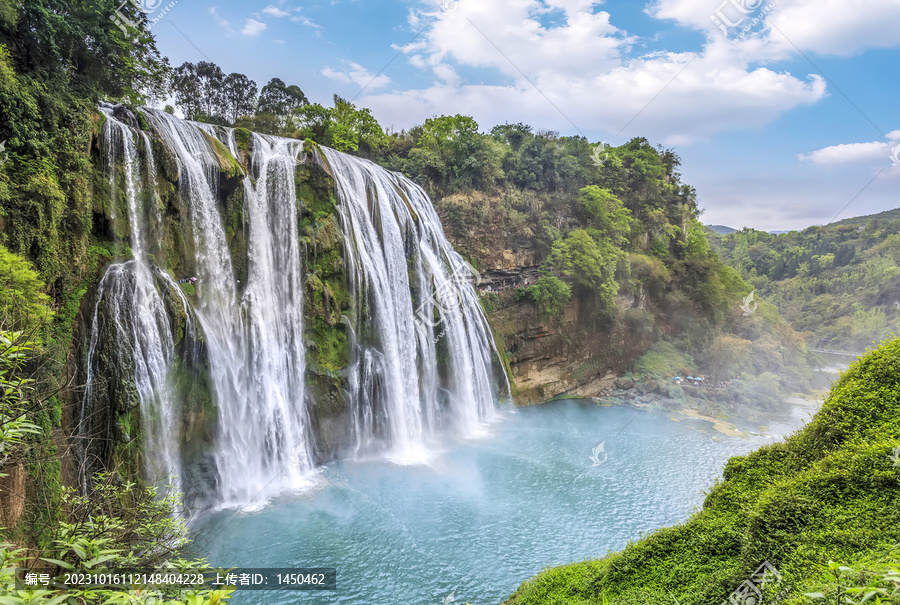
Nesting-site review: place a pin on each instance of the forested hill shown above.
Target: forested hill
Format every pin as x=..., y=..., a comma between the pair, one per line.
x=841, y=282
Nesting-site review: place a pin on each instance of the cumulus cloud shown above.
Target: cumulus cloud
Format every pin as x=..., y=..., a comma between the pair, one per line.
x=577, y=68
x=275, y=11
x=848, y=153
x=821, y=26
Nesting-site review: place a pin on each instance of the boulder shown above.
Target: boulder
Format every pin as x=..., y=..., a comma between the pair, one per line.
x=624, y=384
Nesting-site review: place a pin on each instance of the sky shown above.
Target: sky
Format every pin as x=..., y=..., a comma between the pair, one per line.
x=784, y=112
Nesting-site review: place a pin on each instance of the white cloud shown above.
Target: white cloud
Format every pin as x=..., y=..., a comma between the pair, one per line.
x=214, y=11
x=579, y=70
x=275, y=11
x=848, y=153
x=304, y=20
x=823, y=26
x=253, y=27
x=357, y=74
x=292, y=13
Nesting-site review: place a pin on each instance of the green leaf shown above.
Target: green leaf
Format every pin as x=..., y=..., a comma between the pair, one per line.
x=98, y=560
x=62, y=564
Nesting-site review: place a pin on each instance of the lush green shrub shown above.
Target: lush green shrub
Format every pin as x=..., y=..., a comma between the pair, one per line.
x=663, y=360
x=23, y=303
x=550, y=294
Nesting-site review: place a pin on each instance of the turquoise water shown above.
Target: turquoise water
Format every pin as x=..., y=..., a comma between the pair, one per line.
x=483, y=515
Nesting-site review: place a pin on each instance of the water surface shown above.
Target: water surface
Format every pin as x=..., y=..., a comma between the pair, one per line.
x=484, y=515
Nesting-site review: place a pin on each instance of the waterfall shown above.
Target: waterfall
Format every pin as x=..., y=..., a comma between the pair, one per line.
x=130, y=318
x=419, y=303
x=253, y=330
x=272, y=308
x=422, y=353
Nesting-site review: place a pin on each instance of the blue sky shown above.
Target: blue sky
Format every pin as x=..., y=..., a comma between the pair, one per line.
x=783, y=111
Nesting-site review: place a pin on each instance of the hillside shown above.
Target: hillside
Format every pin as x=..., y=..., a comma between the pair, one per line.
x=839, y=282
x=721, y=229
x=887, y=215
x=830, y=492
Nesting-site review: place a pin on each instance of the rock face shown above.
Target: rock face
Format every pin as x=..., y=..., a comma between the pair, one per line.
x=569, y=355
x=574, y=354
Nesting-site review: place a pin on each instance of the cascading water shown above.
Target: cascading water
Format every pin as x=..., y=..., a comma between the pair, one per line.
x=254, y=340
x=130, y=317
x=273, y=311
x=418, y=305
x=422, y=350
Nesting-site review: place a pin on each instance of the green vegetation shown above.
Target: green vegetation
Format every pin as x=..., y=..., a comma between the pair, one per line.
x=22, y=297
x=830, y=492
x=550, y=294
x=119, y=525
x=838, y=282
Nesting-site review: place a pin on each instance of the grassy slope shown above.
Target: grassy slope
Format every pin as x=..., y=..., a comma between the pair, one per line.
x=830, y=492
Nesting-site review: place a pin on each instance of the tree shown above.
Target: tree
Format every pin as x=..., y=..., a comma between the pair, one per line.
x=238, y=96
x=23, y=304
x=550, y=294
x=210, y=80
x=726, y=354
x=76, y=42
x=590, y=263
x=605, y=213
x=343, y=126
x=199, y=90
x=281, y=100
x=454, y=155
x=186, y=87
x=696, y=244
x=512, y=134
x=352, y=128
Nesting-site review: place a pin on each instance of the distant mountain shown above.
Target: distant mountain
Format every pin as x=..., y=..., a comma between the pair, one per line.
x=840, y=282
x=862, y=221
x=722, y=229
x=887, y=215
